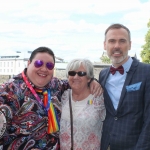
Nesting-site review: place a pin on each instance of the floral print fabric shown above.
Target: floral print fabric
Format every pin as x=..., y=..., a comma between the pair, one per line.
x=88, y=115
x=26, y=126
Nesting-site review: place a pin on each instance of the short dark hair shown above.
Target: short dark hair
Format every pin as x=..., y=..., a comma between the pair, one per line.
x=42, y=50
x=118, y=26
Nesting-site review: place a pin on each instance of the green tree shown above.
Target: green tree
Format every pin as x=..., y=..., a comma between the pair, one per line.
x=105, y=59
x=145, y=53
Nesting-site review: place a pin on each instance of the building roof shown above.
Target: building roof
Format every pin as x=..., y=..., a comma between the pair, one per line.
x=8, y=57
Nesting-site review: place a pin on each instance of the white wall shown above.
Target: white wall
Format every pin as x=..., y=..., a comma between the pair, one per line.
x=12, y=66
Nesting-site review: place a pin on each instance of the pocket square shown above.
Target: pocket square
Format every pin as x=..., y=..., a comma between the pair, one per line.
x=133, y=87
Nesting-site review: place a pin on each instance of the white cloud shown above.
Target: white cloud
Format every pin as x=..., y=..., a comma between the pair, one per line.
x=26, y=25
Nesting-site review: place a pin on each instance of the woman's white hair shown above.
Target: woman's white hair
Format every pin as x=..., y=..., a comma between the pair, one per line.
x=76, y=63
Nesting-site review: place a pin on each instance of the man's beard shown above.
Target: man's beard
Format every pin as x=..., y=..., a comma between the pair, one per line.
x=119, y=59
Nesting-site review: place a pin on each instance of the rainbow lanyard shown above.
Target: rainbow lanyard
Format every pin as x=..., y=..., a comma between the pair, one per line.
x=53, y=124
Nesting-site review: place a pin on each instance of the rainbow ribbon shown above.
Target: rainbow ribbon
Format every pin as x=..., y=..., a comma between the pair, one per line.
x=90, y=102
x=53, y=124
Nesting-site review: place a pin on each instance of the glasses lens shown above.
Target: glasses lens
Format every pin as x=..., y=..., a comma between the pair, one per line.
x=81, y=73
x=38, y=63
x=50, y=65
x=72, y=73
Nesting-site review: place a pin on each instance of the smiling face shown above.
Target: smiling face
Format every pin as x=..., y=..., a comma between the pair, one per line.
x=117, y=44
x=40, y=76
x=78, y=83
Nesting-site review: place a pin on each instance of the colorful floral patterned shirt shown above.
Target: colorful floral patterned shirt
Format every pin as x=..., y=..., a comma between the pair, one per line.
x=26, y=120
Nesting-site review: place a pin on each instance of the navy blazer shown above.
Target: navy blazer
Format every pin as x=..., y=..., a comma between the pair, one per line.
x=128, y=127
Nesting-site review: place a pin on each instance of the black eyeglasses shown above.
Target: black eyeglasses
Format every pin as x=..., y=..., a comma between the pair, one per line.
x=39, y=63
x=80, y=73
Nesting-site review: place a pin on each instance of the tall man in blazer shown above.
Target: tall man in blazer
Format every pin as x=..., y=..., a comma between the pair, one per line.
x=126, y=87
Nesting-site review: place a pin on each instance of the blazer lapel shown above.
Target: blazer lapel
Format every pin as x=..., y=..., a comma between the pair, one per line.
x=129, y=77
x=106, y=72
x=108, y=101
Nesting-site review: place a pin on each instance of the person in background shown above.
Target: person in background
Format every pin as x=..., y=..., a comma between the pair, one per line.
x=30, y=105
x=126, y=86
x=88, y=112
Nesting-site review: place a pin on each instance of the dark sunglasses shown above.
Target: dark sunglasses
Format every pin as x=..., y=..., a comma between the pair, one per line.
x=80, y=73
x=39, y=63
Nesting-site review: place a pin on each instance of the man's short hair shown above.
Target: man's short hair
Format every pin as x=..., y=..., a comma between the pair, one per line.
x=118, y=26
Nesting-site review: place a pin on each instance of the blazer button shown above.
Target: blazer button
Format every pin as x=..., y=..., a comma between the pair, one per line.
x=115, y=118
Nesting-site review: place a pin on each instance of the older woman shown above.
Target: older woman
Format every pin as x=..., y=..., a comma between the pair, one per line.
x=88, y=112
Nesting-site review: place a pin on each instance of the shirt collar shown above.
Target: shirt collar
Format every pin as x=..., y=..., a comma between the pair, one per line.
x=127, y=64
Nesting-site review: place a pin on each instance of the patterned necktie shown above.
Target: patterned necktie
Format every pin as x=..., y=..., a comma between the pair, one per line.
x=113, y=70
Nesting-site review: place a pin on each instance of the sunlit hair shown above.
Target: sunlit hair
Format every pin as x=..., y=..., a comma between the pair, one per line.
x=118, y=26
x=76, y=63
x=42, y=50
